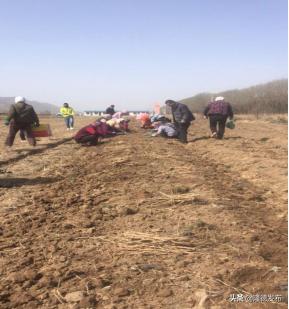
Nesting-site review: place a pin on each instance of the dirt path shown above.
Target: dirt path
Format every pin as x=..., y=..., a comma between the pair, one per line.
x=141, y=222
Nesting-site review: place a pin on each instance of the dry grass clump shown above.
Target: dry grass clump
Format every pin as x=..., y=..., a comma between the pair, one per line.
x=280, y=120
x=197, y=226
x=182, y=199
x=180, y=190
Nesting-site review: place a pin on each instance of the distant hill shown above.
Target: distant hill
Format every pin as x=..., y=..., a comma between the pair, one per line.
x=271, y=97
x=41, y=108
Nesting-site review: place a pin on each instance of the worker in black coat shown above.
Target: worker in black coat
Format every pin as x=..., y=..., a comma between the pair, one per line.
x=182, y=117
x=21, y=117
x=110, y=110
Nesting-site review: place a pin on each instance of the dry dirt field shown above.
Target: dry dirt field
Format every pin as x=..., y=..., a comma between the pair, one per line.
x=142, y=222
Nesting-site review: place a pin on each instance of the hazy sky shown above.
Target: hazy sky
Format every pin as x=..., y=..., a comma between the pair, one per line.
x=133, y=53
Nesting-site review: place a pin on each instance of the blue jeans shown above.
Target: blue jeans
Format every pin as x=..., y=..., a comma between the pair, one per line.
x=69, y=121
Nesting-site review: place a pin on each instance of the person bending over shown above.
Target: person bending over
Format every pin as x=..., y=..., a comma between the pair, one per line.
x=88, y=135
x=182, y=117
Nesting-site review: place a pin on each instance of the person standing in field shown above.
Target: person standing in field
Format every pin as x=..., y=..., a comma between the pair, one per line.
x=110, y=110
x=67, y=113
x=182, y=117
x=21, y=117
x=218, y=111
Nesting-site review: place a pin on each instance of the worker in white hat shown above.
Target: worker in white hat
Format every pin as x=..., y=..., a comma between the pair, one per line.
x=21, y=117
x=218, y=111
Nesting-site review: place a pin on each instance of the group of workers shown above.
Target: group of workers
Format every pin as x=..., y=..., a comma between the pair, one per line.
x=22, y=117
x=106, y=125
x=217, y=111
x=110, y=124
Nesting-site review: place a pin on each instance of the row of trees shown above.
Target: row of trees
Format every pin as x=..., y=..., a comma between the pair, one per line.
x=271, y=97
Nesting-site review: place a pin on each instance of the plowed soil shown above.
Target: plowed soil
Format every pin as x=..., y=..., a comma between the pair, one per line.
x=142, y=222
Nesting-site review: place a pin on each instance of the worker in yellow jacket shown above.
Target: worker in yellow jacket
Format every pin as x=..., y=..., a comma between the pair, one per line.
x=67, y=113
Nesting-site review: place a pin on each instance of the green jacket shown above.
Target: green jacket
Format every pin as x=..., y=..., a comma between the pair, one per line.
x=66, y=111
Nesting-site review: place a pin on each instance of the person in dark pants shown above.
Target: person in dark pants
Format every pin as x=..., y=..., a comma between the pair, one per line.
x=22, y=135
x=21, y=117
x=182, y=117
x=110, y=110
x=218, y=111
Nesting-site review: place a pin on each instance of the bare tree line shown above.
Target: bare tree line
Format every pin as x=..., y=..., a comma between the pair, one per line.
x=266, y=98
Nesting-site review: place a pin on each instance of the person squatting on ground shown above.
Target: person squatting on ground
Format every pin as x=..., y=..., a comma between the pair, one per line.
x=165, y=129
x=110, y=110
x=182, y=117
x=121, y=114
x=159, y=117
x=21, y=117
x=145, y=121
x=218, y=111
x=113, y=123
x=120, y=125
x=90, y=134
x=67, y=113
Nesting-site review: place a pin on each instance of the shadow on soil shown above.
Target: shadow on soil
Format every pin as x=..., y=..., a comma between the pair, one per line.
x=19, y=182
x=34, y=151
x=201, y=138
x=233, y=137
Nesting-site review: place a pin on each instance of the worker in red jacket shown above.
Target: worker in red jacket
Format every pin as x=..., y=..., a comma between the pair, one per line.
x=90, y=134
x=87, y=135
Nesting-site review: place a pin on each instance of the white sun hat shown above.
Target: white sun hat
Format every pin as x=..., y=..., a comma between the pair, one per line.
x=19, y=99
x=219, y=99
